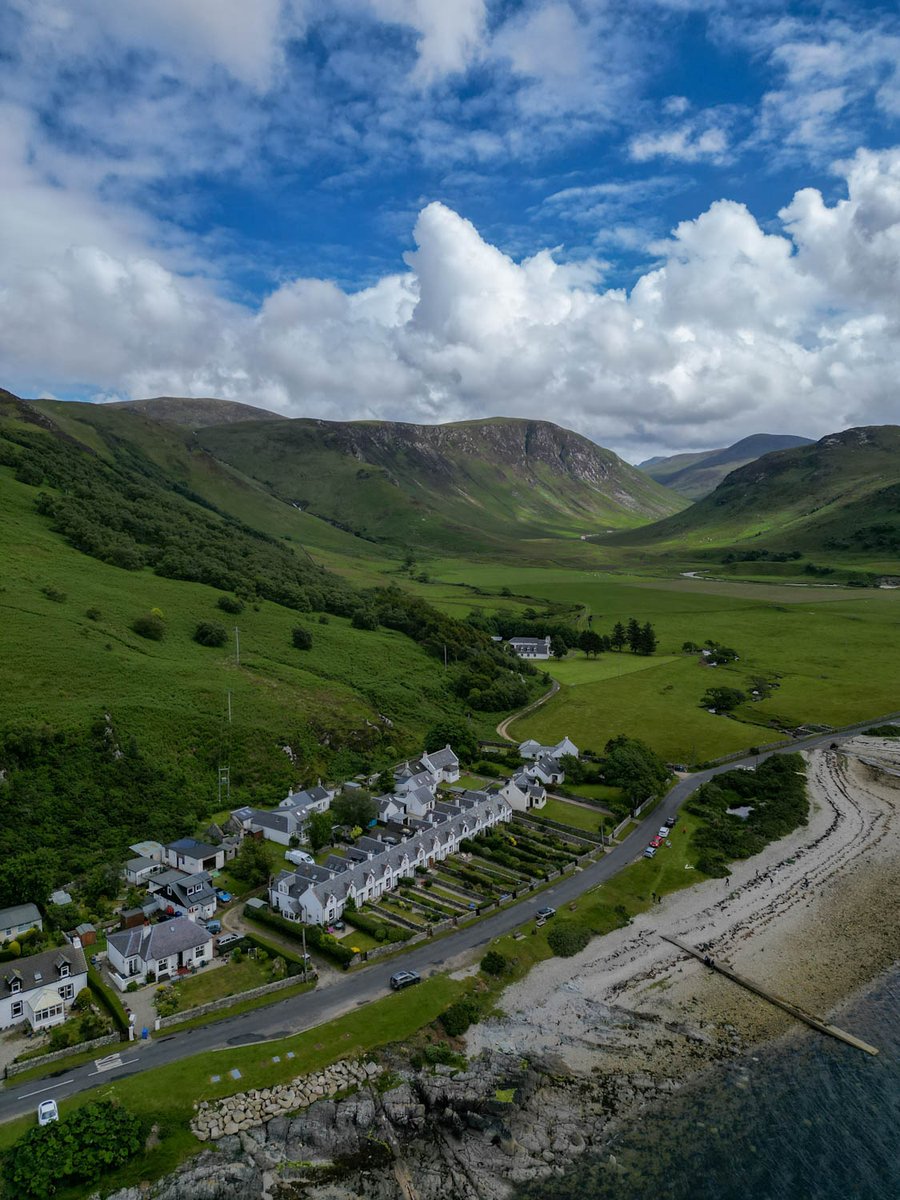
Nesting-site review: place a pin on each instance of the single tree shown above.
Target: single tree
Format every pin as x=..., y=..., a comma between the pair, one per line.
x=559, y=648
x=648, y=641
x=386, y=782
x=318, y=830
x=208, y=633
x=251, y=864
x=633, y=634
x=455, y=733
x=619, y=636
x=354, y=808
x=723, y=699
x=591, y=643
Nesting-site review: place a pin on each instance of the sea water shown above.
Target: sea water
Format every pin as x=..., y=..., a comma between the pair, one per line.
x=806, y=1118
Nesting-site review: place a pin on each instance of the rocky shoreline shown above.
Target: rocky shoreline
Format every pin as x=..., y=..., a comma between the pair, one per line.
x=588, y=1043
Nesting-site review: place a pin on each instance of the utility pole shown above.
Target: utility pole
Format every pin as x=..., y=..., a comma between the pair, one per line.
x=303, y=934
x=445, y=656
x=237, y=645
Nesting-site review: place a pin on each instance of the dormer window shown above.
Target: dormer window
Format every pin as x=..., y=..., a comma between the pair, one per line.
x=15, y=985
x=64, y=969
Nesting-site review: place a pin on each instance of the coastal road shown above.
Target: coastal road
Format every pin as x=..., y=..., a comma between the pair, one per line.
x=305, y=1011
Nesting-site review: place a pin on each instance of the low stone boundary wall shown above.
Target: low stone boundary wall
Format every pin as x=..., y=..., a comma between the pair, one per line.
x=228, y=1001
x=53, y=1056
x=571, y=832
x=221, y=1118
x=618, y=829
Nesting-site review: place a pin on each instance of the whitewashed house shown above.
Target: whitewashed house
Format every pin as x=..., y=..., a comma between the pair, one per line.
x=319, y=895
x=523, y=794
x=442, y=764
x=546, y=770
x=534, y=750
x=18, y=920
x=531, y=647
x=162, y=950
x=188, y=854
x=40, y=989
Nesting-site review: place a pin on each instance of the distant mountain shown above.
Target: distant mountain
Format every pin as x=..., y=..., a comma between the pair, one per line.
x=196, y=412
x=696, y=475
x=841, y=493
x=472, y=486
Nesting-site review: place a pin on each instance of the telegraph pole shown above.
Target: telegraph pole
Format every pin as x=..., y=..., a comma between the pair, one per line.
x=237, y=646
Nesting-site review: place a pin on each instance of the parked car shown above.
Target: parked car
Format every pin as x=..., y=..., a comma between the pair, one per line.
x=228, y=941
x=663, y=831
x=650, y=852
x=672, y=821
x=404, y=979
x=47, y=1112
x=546, y=911
x=213, y=926
x=222, y=896
x=656, y=842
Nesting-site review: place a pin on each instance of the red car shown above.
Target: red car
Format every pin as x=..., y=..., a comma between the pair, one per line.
x=656, y=842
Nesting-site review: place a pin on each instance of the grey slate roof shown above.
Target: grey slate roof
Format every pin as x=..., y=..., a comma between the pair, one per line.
x=159, y=941
x=18, y=914
x=192, y=847
x=41, y=970
x=138, y=864
x=442, y=759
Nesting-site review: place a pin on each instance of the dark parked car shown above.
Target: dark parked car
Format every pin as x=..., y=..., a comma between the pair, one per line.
x=403, y=979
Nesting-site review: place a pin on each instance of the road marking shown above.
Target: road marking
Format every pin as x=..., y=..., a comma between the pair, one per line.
x=50, y=1088
x=112, y=1063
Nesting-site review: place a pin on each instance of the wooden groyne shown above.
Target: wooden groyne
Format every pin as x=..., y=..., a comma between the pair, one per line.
x=793, y=1009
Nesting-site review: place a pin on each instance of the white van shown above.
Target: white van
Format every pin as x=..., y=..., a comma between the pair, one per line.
x=298, y=857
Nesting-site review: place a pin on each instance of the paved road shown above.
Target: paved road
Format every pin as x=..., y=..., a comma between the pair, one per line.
x=313, y=1008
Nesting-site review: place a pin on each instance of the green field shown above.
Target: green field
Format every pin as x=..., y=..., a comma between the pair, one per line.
x=572, y=814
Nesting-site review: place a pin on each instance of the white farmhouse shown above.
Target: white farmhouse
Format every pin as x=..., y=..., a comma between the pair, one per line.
x=523, y=794
x=530, y=647
x=18, y=920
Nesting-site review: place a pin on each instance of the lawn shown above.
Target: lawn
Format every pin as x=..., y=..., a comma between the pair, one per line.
x=574, y=815
x=229, y=980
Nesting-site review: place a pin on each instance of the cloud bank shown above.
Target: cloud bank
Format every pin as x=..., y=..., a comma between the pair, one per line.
x=737, y=329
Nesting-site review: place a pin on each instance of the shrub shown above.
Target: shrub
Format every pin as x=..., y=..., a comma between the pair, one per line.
x=230, y=604
x=379, y=930
x=93, y=614
x=108, y=999
x=83, y=1001
x=567, y=938
x=494, y=963
x=54, y=594
x=364, y=618
x=149, y=626
x=323, y=619
x=301, y=638
x=14, y=947
x=208, y=633
x=460, y=1015
x=78, y=1148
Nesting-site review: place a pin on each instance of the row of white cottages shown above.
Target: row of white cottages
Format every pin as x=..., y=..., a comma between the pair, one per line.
x=318, y=895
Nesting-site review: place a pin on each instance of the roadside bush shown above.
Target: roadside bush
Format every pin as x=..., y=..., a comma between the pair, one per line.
x=567, y=938
x=301, y=638
x=460, y=1015
x=149, y=626
x=79, y=1148
x=230, y=604
x=108, y=999
x=495, y=963
x=208, y=633
x=165, y=1001
x=316, y=937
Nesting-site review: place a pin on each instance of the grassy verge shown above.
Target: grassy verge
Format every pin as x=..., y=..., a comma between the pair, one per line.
x=242, y=1006
x=166, y=1096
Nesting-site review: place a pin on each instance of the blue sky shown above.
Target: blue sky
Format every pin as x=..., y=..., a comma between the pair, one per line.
x=666, y=223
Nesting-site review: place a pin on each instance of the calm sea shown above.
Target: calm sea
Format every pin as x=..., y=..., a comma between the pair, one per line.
x=807, y=1119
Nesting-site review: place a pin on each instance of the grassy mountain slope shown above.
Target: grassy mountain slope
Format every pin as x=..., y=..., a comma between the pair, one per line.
x=195, y=412
x=488, y=487
x=696, y=475
x=840, y=493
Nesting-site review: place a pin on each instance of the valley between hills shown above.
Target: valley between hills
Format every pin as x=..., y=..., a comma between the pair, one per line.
x=403, y=556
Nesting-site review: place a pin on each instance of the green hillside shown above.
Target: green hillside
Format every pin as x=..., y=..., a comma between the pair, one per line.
x=696, y=475
x=838, y=496
x=107, y=735
x=498, y=488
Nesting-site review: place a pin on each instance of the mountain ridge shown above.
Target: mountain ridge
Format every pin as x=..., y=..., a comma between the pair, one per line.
x=696, y=475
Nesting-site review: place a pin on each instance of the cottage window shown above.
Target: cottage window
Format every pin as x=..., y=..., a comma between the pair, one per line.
x=16, y=1009
x=199, y=951
x=64, y=969
x=15, y=985
x=162, y=965
x=67, y=991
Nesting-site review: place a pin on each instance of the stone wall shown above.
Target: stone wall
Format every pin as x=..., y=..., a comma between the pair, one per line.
x=55, y=1055
x=228, y=1001
x=221, y=1118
